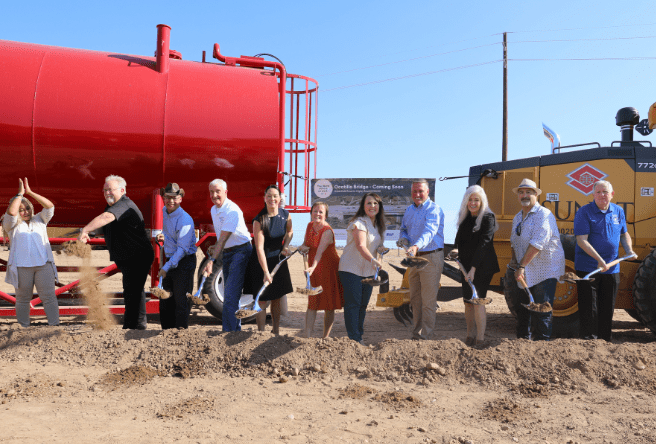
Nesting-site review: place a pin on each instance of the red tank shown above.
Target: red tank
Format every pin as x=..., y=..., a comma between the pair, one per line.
x=70, y=117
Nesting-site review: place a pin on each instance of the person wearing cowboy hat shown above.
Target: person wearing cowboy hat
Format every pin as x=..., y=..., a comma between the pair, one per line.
x=535, y=241
x=129, y=247
x=179, y=240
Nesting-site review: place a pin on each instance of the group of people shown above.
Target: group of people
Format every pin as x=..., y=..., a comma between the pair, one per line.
x=538, y=260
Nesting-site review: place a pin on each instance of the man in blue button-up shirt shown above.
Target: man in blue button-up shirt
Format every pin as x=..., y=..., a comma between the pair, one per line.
x=422, y=230
x=600, y=227
x=180, y=249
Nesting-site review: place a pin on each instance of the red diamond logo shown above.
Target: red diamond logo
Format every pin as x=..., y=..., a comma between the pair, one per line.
x=584, y=177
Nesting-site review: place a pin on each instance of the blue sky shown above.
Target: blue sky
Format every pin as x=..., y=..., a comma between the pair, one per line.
x=430, y=125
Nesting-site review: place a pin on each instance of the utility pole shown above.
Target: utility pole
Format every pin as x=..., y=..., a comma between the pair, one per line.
x=504, y=138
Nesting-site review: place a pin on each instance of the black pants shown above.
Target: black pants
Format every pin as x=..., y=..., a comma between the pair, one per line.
x=174, y=311
x=597, y=304
x=135, y=272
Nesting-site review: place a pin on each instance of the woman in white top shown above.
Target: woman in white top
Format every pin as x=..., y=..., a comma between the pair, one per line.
x=365, y=234
x=30, y=259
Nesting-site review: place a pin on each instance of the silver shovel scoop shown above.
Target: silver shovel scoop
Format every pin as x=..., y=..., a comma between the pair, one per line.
x=475, y=300
x=376, y=281
x=254, y=307
x=588, y=277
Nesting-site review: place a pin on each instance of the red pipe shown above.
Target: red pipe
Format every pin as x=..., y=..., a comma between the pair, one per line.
x=157, y=224
x=163, y=42
x=257, y=62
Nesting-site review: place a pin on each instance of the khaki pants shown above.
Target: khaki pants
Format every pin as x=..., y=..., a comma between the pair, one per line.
x=44, y=279
x=424, y=285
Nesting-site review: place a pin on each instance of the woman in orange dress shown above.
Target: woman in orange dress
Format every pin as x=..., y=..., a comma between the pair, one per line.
x=323, y=260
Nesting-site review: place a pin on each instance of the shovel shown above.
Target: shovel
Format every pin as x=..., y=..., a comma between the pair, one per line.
x=159, y=292
x=533, y=307
x=475, y=300
x=411, y=261
x=196, y=298
x=610, y=264
x=376, y=281
x=309, y=289
x=254, y=307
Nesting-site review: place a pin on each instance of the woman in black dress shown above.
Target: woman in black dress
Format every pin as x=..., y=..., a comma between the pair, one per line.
x=272, y=232
x=475, y=249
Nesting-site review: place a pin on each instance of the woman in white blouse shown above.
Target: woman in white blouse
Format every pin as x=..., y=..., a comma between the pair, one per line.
x=30, y=259
x=365, y=235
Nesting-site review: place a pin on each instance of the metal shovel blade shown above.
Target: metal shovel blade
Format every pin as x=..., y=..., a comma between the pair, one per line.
x=196, y=297
x=414, y=262
x=375, y=281
x=534, y=307
x=474, y=300
x=159, y=291
x=309, y=289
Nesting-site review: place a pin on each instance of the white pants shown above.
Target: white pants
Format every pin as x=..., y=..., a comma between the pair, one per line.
x=44, y=279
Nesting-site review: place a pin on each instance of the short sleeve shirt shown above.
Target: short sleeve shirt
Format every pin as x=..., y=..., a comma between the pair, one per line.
x=126, y=236
x=231, y=219
x=351, y=260
x=603, y=230
x=538, y=229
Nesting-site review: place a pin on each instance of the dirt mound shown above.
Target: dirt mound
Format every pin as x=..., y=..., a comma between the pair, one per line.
x=356, y=391
x=36, y=385
x=504, y=410
x=398, y=400
x=193, y=407
x=134, y=375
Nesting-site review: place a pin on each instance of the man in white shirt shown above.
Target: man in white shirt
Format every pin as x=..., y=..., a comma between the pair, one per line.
x=233, y=244
x=537, y=257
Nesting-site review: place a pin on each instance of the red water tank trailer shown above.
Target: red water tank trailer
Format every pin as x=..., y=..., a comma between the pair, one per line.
x=71, y=117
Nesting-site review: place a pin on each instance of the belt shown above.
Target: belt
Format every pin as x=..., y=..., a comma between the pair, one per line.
x=424, y=253
x=236, y=247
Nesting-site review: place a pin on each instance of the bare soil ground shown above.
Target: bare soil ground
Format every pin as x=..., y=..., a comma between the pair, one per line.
x=74, y=382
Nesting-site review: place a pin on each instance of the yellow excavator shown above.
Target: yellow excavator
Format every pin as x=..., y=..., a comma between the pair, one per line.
x=566, y=177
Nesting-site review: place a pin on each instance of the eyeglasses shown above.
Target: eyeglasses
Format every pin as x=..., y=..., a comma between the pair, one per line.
x=108, y=190
x=172, y=197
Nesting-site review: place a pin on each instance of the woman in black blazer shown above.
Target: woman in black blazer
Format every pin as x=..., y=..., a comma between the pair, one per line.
x=475, y=249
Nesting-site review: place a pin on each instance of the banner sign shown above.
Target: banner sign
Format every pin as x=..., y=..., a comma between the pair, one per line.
x=343, y=197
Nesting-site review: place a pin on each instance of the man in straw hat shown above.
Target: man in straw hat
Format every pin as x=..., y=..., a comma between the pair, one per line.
x=600, y=227
x=537, y=257
x=422, y=229
x=129, y=247
x=179, y=240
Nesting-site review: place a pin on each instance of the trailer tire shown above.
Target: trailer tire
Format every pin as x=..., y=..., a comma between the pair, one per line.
x=214, y=289
x=644, y=291
x=562, y=326
x=512, y=292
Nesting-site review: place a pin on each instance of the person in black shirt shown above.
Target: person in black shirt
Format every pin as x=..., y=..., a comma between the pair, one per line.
x=129, y=247
x=474, y=246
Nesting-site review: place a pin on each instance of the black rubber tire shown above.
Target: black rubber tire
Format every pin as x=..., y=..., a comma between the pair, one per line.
x=634, y=314
x=512, y=292
x=644, y=291
x=562, y=327
x=214, y=289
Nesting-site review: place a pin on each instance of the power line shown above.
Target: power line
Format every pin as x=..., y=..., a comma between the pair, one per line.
x=408, y=60
x=584, y=60
x=413, y=75
x=580, y=29
x=585, y=40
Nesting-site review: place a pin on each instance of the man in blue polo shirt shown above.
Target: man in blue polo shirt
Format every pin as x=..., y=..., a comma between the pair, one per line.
x=599, y=227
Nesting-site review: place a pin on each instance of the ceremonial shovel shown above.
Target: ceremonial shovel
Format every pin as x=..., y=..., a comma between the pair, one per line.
x=254, y=307
x=376, y=281
x=475, y=300
x=309, y=289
